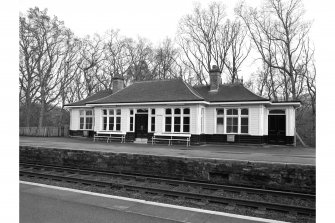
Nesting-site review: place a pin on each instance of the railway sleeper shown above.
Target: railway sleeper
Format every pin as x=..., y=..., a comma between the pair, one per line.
x=171, y=196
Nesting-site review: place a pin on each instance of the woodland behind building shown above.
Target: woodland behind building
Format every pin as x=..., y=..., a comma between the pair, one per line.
x=57, y=67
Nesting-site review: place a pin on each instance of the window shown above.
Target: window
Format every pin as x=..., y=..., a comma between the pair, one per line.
x=177, y=120
x=152, y=119
x=232, y=121
x=131, y=121
x=86, y=119
x=244, y=120
x=220, y=121
x=186, y=120
x=168, y=120
x=111, y=119
x=202, y=120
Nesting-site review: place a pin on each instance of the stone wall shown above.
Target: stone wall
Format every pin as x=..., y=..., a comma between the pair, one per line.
x=290, y=177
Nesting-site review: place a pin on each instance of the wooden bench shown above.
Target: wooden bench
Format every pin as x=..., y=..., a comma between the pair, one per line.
x=110, y=136
x=171, y=137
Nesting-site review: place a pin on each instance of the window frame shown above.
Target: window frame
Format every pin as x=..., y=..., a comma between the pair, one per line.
x=108, y=115
x=232, y=116
x=85, y=116
x=240, y=121
x=202, y=120
x=150, y=116
x=182, y=115
x=225, y=119
x=216, y=120
x=131, y=116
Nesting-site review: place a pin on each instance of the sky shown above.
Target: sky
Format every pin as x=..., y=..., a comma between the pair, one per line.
x=152, y=19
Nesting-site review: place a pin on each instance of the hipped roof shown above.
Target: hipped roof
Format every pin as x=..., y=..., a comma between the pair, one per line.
x=174, y=90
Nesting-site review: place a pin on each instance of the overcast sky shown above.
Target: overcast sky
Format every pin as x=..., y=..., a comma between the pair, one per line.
x=152, y=19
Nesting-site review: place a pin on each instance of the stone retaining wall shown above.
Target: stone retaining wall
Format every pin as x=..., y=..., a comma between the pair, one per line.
x=290, y=177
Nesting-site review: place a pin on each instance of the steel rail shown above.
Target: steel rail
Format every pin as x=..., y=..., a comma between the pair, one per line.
x=186, y=195
x=209, y=186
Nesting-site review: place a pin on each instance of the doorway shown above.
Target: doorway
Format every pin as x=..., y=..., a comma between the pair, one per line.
x=141, y=125
x=277, y=129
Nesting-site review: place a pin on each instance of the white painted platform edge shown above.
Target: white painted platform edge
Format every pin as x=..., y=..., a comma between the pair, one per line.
x=154, y=203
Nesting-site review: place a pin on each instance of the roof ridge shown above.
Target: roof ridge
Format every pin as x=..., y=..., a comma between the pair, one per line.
x=193, y=91
x=157, y=80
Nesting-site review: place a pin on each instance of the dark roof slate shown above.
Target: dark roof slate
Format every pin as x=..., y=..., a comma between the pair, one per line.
x=96, y=96
x=228, y=93
x=153, y=91
x=170, y=91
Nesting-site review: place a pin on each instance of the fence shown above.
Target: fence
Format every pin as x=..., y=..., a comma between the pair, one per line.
x=45, y=131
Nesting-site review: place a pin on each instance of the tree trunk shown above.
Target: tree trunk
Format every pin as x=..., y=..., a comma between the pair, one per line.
x=28, y=113
x=41, y=118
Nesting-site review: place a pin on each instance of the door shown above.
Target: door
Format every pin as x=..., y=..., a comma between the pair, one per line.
x=141, y=125
x=277, y=129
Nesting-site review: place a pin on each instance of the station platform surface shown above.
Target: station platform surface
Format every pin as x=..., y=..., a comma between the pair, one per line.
x=258, y=153
x=44, y=203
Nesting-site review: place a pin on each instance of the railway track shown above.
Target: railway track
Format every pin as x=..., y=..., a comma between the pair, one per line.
x=169, y=188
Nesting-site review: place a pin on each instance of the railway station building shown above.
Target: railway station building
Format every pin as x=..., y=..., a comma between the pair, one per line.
x=215, y=113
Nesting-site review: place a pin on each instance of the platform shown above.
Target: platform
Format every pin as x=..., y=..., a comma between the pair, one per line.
x=44, y=203
x=257, y=153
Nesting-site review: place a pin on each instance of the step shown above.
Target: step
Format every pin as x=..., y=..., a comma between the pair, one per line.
x=141, y=140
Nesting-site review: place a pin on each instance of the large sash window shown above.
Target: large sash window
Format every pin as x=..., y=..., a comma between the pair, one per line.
x=177, y=120
x=111, y=119
x=220, y=121
x=232, y=121
x=85, y=119
x=244, y=120
x=152, y=119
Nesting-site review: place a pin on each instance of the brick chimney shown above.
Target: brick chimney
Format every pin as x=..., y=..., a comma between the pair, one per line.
x=118, y=83
x=215, y=78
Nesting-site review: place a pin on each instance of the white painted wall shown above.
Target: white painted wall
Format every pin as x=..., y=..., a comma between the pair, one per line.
x=97, y=119
x=255, y=127
x=265, y=120
x=160, y=112
x=255, y=120
x=210, y=120
x=74, y=119
x=290, y=121
x=258, y=118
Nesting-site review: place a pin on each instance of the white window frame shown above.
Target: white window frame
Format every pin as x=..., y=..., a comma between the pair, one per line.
x=150, y=115
x=240, y=121
x=202, y=120
x=108, y=115
x=238, y=116
x=232, y=116
x=84, y=115
x=181, y=115
x=220, y=116
x=131, y=116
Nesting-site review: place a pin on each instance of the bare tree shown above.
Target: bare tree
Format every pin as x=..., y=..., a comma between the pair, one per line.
x=141, y=60
x=204, y=38
x=27, y=66
x=116, y=59
x=239, y=50
x=279, y=33
x=164, y=61
x=50, y=37
x=89, y=63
